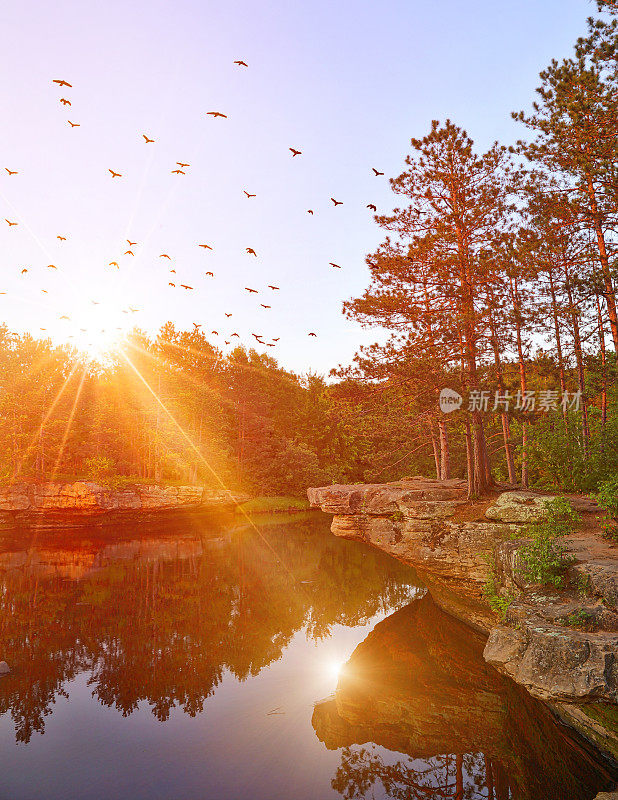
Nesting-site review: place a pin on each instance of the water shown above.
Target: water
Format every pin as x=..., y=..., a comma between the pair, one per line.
x=202, y=662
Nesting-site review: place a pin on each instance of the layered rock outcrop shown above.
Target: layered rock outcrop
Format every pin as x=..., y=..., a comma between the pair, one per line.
x=561, y=646
x=48, y=505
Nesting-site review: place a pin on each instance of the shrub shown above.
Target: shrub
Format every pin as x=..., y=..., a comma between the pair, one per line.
x=99, y=468
x=607, y=498
x=543, y=558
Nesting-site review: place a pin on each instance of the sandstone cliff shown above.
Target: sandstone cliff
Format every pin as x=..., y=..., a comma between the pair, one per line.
x=457, y=546
x=48, y=505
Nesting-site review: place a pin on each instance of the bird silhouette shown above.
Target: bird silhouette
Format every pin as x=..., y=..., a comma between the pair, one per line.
x=205, y=246
x=10, y=171
x=129, y=253
x=180, y=164
x=9, y=222
x=277, y=339
x=241, y=63
x=172, y=284
x=251, y=291
x=226, y=342
x=165, y=255
x=62, y=238
x=196, y=326
x=74, y=124
x=115, y=174
x=178, y=172
x=52, y=266
x=64, y=316
x=258, y=337
x=371, y=206
x=249, y=195
x=62, y=82
x=295, y=152
x=336, y=266
x=251, y=251
x=44, y=291
x=146, y=139
x=269, y=345
x=216, y=114
x=228, y=315
x=216, y=333
x=264, y=306
x=95, y=302
x=337, y=202
x=212, y=274
x=184, y=286
x=274, y=288
x=312, y=334
x=130, y=243
x=65, y=102
x=173, y=270
x=133, y=310
x=236, y=335
x=310, y=211
x=24, y=270
x=376, y=172
x=113, y=264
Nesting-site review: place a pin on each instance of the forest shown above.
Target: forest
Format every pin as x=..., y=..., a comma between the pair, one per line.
x=496, y=279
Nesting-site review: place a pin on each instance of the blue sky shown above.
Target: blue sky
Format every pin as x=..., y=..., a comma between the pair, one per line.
x=348, y=83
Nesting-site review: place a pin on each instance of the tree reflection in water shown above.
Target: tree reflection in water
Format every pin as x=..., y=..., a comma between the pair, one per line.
x=435, y=721
x=160, y=619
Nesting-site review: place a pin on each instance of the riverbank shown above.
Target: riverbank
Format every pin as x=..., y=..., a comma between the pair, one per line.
x=461, y=548
x=86, y=503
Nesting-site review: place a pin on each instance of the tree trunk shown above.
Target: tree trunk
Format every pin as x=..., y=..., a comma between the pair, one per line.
x=436, y=451
x=609, y=294
x=445, y=456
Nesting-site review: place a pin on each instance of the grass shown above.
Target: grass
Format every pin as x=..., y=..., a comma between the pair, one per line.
x=275, y=505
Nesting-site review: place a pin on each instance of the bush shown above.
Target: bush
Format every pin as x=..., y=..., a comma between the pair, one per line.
x=544, y=559
x=99, y=468
x=607, y=498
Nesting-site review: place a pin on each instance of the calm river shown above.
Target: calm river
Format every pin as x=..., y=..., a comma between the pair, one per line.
x=221, y=661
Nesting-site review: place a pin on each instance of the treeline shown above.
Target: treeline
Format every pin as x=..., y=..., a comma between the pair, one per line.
x=497, y=279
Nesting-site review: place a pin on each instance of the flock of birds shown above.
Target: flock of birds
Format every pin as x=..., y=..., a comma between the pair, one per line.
x=180, y=168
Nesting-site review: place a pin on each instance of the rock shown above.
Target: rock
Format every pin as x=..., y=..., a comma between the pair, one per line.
x=521, y=507
x=4, y=668
x=607, y=796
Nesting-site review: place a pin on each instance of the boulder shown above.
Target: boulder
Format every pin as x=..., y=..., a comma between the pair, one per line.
x=4, y=668
x=521, y=507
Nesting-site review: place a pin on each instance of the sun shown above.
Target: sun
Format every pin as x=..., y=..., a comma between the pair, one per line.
x=97, y=344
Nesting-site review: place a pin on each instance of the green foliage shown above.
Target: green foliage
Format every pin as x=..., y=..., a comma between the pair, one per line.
x=543, y=557
x=498, y=602
x=607, y=498
x=99, y=468
x=581, y=619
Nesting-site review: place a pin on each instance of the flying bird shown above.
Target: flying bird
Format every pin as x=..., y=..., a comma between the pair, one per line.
x=376, y=173
x=274, y=288
x=62, y=238
x=212, y=274
x=251, y=251
x=249, y=195
x=263, y=306
x=44, y=291
x=115, y=174
x=216, y=333
x=61, y=82
x=146, y=139
x=269, y=345
x=52, y=266
x=178, y=172
x=64, y=316
x=371, y=206
x=196, y=326
x=310, y=211
x=10, y=171
x=73, y=124
x=9, y=222
x=236, y=335
x=205, y=246
x=241, y=63
x=336, y=266
x=165, y=255
x=173, y=270
x=312, y=334
x=130, y=243
x=295, y=152
x=172, y=284
x=228, y=315
x=113, y=264
x=254, y=291
x=184, y=286
x=216, y=114
x=277, y=339
x=180, y=164
x=24, y=270
x=129, y=253
x=65, y=102
x=337, y=202
x=258, y=337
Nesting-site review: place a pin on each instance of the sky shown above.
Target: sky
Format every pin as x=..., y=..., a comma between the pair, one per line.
x=347, y=83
